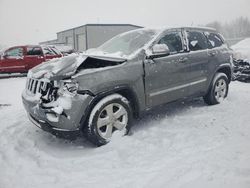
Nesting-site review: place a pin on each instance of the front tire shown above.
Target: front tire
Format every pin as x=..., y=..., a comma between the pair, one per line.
x=218, y=90
x=111, y=114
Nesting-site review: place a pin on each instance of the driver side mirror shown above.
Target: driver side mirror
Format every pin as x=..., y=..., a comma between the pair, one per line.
x=159, y=50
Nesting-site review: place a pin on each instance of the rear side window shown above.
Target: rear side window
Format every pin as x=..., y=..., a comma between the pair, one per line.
x=34, y=51
x=48, y=51
x=55, y=50
x=214, y=40
x=196, y=40
x=173, y=41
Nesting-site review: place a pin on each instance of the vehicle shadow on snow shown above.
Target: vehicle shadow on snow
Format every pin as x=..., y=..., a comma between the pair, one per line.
x=12, y=75
x=4, y=105
x=155, y=114
x=54, y=144
x=165, y=111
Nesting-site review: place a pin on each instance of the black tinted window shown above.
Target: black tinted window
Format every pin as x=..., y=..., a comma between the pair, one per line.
x=196, y=40
x=34, y=51
x=173, y=41
x=214, y=40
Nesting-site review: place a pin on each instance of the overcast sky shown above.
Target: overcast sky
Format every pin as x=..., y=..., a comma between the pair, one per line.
x=33, y=21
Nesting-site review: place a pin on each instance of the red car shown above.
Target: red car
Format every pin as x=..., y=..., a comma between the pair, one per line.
x=20, y=59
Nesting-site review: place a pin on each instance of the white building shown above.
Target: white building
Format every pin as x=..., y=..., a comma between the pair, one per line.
x=90, y=35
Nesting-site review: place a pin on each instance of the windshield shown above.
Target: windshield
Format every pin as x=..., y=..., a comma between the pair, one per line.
x=127, y=43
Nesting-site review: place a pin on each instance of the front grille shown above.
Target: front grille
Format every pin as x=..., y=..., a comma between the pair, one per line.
x=45, y=88
x=35, y=86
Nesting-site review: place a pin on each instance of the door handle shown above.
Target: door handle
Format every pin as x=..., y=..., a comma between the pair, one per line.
x=149, y=61
x=212, y=53
x=183, y=59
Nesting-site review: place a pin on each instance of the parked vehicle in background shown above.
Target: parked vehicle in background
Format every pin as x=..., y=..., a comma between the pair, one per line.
x=19, y=59
x=242, y=60
x=99, y=93
x=241, y=70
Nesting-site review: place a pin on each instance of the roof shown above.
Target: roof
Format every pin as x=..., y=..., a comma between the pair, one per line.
x=199, y=27
x=101, y=25
x=186, y=27
x=23, y=46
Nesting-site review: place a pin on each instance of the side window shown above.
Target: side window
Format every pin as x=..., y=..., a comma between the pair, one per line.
x=214, y=40
x=34, y=51
x=173, y=41
x=14, y=53
x=48, y=51
x=196, y=40
x=55, y=50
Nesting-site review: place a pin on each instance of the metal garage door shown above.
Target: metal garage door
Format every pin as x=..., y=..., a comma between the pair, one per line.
x=81, y=42
x=70, y=42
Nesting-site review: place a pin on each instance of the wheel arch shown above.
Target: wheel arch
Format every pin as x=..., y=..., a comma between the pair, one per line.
x=226, y=69
x=124, y=91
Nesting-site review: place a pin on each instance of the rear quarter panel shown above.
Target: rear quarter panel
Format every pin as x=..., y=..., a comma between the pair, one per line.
x=222, y=59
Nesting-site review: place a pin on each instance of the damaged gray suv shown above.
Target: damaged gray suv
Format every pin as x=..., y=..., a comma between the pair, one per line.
x=99, y=92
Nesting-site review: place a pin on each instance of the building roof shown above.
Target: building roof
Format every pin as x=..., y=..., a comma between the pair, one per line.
x=101, y=25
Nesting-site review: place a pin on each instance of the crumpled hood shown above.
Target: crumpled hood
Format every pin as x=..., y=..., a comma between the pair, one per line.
x=69, y=65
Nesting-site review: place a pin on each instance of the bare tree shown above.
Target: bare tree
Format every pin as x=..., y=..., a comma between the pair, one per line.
x=238, y=28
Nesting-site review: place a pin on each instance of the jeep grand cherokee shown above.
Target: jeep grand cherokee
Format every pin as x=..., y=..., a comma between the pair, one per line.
x=99, y=92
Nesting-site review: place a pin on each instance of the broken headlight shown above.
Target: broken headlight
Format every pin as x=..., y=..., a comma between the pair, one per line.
x=68, y=87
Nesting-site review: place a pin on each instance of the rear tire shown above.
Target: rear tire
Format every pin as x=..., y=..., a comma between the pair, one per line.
x=218, y=90
x=111, y=114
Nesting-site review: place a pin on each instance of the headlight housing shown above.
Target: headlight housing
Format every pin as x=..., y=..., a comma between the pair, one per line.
x=68, y=86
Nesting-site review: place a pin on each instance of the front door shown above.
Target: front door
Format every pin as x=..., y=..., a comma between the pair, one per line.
x=166, y=77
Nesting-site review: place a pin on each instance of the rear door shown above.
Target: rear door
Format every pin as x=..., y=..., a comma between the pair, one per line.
x=197, y=60
x=217, y=49
x=34, y=56
x=13, y=60
x=165, y=77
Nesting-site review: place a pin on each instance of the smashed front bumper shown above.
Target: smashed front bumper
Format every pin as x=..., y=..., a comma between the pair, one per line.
x=63, y=133
x=67, y=122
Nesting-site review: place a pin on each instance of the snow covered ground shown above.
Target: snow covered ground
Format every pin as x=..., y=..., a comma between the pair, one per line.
x=184, y=144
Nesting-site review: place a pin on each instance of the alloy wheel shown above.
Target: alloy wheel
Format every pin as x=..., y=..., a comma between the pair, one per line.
x=113, y=117
x=220, y=90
